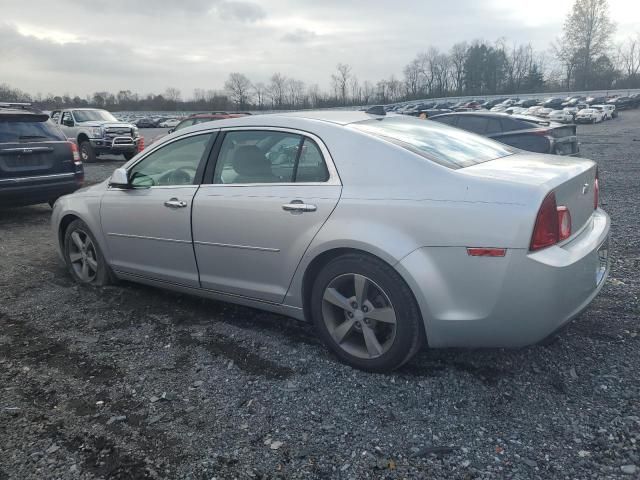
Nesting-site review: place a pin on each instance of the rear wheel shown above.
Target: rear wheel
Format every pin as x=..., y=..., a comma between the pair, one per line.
x=86, y=152
x=364, y=311
x=83, y=256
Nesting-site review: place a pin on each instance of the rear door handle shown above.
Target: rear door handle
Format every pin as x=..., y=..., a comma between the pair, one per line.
x=298, y=206
x=175, y=203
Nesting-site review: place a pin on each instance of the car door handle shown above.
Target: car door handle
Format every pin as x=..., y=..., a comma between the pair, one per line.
x=175, y=203
x=298, y=206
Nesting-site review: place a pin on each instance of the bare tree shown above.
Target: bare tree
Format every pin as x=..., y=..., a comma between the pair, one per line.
x=239, y=88
x=587, y=35
x=295, y=90
x=277, y=89
x=629, y=55
x=367, y=92
x=340, y=81
x=458, y=58
x=172, y=94
x=314, y=95
x=412, y=78
x=260, y=94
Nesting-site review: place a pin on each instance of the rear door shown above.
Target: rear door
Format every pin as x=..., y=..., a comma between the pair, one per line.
x=33, y=149
x=269, y=194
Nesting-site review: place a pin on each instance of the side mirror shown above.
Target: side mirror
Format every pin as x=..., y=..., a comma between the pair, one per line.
x=119, y=179
x=68, y=123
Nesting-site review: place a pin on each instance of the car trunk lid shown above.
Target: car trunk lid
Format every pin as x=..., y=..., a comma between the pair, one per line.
x=572, y=179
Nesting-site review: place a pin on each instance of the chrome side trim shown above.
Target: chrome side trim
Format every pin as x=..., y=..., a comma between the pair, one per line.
x=141, y=237
x=39, y=177
x=244, y=247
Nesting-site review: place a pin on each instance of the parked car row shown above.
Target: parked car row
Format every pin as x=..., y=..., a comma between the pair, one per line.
x=516, y=105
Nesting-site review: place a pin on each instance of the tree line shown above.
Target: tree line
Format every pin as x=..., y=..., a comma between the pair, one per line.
x=582, y=58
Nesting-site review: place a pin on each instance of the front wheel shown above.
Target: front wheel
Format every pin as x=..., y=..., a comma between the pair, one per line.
x=86, y=152
x=366, y=314
x=83, y=256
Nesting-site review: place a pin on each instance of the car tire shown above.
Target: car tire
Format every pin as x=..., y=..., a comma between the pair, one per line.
x=87, y=154
x=381, y=333
x=129, y=155
x=83, y=256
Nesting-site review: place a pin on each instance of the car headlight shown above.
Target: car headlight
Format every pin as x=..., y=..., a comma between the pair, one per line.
x=97, y=132
x=135, y=131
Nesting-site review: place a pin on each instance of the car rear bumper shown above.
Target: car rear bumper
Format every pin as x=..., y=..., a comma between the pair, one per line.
x=510, y=301
x=17, y=192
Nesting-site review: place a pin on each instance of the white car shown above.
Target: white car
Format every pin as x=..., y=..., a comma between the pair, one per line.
x=515, y=110
x=609, y=111
x=532, y=110
x=543, y=112
x=561, y=116
x=170, y=123
x=589, y=115
x=499, y=108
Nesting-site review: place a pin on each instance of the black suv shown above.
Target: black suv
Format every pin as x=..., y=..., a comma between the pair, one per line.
x=37, y=162
x=527, y=133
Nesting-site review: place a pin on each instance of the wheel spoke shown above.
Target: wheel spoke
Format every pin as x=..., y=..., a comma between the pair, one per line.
x=361, y=284
x=334, y=297
x=85, y=270
x=93, y=264
x=75, y=236
x=373, y=346
x=74, y=256
x=341, y=331
x=384, y=315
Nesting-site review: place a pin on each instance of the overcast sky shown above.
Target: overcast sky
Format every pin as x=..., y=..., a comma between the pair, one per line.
x=82, y=46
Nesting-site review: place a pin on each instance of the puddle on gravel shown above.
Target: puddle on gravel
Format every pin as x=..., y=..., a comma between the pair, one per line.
x=242, y=357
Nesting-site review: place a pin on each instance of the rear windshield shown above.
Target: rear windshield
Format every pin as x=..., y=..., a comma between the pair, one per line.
x=26, y=130
x=445, y=145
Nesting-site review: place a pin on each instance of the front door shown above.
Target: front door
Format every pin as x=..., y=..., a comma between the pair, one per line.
x=148, y=227
x=270, y=193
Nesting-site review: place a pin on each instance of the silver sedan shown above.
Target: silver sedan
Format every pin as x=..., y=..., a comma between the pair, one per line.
x=386, y=232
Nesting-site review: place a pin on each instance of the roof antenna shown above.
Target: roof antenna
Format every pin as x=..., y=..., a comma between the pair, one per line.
x=375, y=110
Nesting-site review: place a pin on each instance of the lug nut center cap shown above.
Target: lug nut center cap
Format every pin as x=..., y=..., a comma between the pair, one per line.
x=358, y=315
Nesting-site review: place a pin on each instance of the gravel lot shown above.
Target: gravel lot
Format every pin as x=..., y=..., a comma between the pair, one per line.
x=134, y=382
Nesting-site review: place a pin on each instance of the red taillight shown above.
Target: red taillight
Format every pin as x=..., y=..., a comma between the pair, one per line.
x=545, y=231
x=76, y=153
x=553, y=224
x=596, y=192
x=564, y=223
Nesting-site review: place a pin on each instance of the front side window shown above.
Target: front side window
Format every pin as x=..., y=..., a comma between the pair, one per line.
x=67, y=118
x=448, y=146
x=184, y=124
x=173, y=164
x=258, y=156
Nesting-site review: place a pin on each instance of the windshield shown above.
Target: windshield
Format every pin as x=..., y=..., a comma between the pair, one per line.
x=93, y=115
x=445, y=145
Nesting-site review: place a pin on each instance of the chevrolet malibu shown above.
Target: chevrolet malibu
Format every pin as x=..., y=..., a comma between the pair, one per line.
x=387, y=232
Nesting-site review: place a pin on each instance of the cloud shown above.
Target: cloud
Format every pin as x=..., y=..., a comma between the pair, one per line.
x=299, y=36
x=240, y=11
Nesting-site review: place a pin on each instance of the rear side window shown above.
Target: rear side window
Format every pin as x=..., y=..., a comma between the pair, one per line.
x=451, y=147
x=511, y=124
x=493, y=126
x=23, y=130
x=473, y=123
x=255, y=156
x=446, y=119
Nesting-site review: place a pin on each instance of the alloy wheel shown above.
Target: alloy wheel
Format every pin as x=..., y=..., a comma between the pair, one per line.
x=82, y=256
x=359, y=316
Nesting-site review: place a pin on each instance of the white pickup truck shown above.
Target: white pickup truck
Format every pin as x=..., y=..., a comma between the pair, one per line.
x=97, y=132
